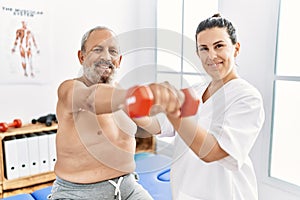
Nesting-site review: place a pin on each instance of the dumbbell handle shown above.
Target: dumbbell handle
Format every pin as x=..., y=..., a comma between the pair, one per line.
x=140, y=100
x=16, y=123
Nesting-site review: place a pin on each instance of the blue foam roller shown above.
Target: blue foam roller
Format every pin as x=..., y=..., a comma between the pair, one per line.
x=164, y=175
x=153, y=163
x=154, y=176
x=19, y=197
x=42, y=194
x=142, y=155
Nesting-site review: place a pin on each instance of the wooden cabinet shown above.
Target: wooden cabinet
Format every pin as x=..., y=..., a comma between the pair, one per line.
x=145, y=142
x=7, y=185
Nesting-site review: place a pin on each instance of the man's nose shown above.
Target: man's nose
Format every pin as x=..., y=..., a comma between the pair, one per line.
x=105, y=55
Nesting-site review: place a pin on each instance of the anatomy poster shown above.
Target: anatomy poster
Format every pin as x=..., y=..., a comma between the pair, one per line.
x=25, y=42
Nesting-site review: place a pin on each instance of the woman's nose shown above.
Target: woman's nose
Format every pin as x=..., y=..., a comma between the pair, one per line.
x=212, y=54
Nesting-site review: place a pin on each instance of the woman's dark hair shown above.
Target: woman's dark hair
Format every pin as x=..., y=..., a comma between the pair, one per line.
x=217, y=21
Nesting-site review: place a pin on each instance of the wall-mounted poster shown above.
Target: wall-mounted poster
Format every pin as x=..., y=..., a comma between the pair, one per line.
x=25, y=42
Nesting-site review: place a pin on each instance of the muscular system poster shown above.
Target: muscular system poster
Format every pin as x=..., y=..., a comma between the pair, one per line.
x=25, y=42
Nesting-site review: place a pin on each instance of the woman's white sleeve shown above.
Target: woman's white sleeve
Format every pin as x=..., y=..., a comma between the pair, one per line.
x=239, y=131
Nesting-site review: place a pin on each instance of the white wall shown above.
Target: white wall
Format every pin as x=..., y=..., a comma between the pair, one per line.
x=256, y=22
x=68, y=22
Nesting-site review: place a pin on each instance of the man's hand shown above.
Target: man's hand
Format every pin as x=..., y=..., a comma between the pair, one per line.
x=167, y=99
x=151, y=99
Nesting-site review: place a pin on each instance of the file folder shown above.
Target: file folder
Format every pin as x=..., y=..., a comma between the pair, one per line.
x=43, y=152
x=33, y=152
x=52, y=149
x=10, y=157
x=23, y=156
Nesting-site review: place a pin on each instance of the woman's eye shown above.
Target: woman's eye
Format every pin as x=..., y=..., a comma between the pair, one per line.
x=203, y=49
x=219, y=46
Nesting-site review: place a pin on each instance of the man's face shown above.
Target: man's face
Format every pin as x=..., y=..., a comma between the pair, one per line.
x=101, y=56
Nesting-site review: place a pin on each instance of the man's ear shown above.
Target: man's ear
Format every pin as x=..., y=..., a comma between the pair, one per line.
x=119, y=61
x=237, y=49
x=80, y=56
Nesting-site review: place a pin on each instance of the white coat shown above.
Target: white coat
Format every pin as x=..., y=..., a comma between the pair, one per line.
x=234, y=115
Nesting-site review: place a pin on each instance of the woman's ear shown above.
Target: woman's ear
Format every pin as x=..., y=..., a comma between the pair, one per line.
x=80, y=56
x=237, y=49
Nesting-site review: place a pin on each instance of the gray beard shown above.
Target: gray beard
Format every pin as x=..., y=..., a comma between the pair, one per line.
x=94, y=77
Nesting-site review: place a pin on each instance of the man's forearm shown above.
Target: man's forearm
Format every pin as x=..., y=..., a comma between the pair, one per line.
x=150, y=124
x=106, y=99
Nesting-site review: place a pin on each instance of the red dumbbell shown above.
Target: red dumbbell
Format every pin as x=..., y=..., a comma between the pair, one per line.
x=17, y=123
x=190, y=104
x=140, y=100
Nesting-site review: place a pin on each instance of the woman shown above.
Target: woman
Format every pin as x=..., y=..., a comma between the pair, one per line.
x=212, y=149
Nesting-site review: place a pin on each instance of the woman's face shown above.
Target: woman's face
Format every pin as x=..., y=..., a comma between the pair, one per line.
x=217, y=53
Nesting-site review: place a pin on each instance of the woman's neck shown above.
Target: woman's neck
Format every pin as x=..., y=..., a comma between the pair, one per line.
x=216, y=84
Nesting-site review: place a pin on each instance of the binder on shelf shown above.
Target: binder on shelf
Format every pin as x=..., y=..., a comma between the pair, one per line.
x=43, y=152
x=10, y=157
x=33, y=152
x=52, y=149
x=23, y=156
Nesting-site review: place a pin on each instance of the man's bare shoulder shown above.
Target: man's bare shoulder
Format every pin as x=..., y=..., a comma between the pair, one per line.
x=68, y=84
x=72, y=94
x=65, y=85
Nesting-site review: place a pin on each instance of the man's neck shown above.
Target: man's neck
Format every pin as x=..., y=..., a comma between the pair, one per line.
x=87, y=82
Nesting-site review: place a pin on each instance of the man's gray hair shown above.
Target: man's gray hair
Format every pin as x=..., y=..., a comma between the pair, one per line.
x=87, y=34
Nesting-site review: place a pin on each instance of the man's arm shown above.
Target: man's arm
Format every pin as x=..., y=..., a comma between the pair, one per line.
x=148, y=123
x=99, y=98
x=103, y=98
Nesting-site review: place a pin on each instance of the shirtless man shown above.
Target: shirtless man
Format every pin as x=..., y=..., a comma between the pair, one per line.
x=26, y=39
x=95, y=137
